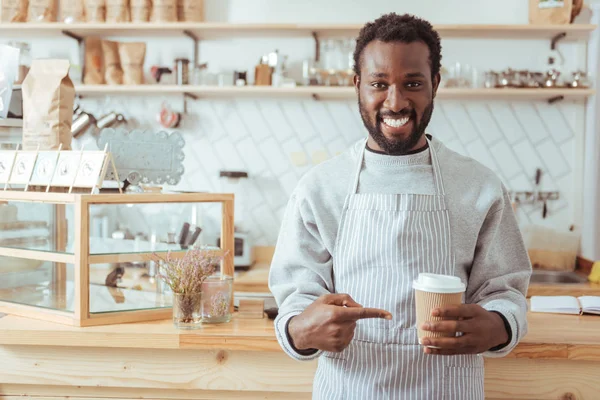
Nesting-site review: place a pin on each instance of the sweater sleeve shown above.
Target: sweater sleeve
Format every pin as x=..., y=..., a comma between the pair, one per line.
x=301, y=270
x=500, y=273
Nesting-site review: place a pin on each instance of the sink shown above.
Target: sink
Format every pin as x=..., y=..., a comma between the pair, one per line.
x=562, y=277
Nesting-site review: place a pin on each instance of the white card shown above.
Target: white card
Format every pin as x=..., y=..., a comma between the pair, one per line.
x=23, y=167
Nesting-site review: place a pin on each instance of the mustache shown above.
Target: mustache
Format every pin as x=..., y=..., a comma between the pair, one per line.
x=399, y=114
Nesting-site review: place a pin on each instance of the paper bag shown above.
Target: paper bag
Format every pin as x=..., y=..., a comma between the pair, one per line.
x=48, y=98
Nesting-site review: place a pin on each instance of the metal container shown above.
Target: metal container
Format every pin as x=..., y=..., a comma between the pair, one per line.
x=81, y=123
x=109, y=120
x=182, y=71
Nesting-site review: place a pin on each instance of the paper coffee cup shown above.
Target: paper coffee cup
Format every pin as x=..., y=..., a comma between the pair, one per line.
x=433, y=291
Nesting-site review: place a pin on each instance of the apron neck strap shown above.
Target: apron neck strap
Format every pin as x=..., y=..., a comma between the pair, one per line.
x=437, y=176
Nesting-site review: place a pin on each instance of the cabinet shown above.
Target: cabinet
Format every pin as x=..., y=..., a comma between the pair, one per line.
x=50, y=242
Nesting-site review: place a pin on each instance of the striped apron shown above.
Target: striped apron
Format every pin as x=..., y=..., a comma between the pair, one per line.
x=384, y=241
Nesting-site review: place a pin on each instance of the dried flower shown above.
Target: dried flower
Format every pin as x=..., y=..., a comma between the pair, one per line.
x=186, y=275
x=219, y=304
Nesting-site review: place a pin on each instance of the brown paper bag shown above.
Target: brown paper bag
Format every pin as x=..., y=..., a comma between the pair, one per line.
x=95, y=10
x=94, y=62
x=132, y=61
x=117, y=11
x=113, y=73
x=548, y=12
x=72, y=11
x=164, y=11
x=13, y=10
x=42, y=10
x=48, y=98
x=140, y=10
x=190, y=10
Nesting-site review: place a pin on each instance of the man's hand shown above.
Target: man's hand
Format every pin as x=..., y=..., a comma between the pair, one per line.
x=328, y=323
x=481, y=330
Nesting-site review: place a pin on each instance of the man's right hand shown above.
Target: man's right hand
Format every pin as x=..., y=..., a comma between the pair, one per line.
x=328, y=323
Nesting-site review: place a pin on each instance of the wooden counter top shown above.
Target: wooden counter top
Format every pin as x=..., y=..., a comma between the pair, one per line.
x=550, y=336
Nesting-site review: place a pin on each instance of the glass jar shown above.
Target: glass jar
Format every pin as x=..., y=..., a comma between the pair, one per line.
x=24, y=60
x=216, y=299
x=187, y=312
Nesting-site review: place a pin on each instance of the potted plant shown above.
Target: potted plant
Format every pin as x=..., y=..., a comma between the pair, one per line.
x=185, y=277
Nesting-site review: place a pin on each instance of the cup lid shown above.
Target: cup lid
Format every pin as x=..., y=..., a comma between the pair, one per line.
x=439, y=283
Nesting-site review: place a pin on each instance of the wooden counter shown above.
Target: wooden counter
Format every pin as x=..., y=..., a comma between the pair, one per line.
x=242, y=360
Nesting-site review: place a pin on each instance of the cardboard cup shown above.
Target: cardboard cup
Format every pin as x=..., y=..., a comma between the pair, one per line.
x=432, y=291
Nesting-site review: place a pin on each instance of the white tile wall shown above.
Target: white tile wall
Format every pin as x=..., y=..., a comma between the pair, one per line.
x=277, y=141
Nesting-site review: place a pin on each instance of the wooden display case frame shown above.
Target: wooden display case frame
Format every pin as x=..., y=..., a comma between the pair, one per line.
x=82, y=259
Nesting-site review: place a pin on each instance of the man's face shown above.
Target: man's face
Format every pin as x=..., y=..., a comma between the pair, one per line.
x=395, y=94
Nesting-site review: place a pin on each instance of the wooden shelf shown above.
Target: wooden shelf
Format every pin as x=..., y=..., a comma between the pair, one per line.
x=322, y=92
x=210, y=30
x=11, y=123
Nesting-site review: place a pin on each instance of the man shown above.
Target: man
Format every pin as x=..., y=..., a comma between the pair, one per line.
x=360, y=227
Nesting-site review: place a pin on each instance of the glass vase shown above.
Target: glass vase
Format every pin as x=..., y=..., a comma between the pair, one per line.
x=216, y=299
x=187, y=312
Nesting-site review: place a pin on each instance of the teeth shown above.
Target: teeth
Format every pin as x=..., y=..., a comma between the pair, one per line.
x=395, y=123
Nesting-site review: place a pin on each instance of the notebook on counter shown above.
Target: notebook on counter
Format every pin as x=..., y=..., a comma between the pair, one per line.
x=566, y=304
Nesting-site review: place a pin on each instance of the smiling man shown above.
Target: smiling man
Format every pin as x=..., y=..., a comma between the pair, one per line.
x=360, y=227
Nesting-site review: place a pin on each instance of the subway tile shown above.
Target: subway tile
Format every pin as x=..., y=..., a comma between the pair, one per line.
x=459, y=120
x=272, y=152
x=553, y=158
x=255, y=163
x=322, y=119
x=554, y=121
x=297, y=116
x=508, y=122
x=484, y=122
x=505, y=159
x=228, y=155
x=528, y=157
x=530, y=121
x=279, y=125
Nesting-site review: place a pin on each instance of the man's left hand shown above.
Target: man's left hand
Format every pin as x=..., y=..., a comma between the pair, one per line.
x=481, y=330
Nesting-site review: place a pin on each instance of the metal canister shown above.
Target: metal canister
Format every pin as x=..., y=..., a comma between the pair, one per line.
x=182, y=71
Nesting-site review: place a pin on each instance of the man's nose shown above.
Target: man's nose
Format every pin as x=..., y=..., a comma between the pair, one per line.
x=395, y=100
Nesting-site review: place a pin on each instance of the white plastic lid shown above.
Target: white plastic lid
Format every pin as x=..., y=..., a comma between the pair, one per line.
x=439, y=283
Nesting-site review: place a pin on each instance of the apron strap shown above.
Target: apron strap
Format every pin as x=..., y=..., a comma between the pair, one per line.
x=437, y=172
x=361, y=155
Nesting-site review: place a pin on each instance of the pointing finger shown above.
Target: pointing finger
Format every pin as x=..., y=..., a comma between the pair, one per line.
x=354, y=314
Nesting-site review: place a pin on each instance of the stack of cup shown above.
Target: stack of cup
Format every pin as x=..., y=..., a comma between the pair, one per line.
x=433, y=291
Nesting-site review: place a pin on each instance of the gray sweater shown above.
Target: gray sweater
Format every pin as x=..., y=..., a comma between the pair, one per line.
x=490, y=253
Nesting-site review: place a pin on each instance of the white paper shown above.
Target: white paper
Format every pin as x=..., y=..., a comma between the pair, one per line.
x=551, y=4
x=555, y=304
x=590, y=304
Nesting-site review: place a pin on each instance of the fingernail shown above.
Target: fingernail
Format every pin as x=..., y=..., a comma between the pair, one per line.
x=435, y=312
x=426, y=326
x=388, y=317
x=425, y=342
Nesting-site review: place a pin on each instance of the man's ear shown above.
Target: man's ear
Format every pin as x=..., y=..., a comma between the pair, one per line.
x=436, y=83
x=356, y=79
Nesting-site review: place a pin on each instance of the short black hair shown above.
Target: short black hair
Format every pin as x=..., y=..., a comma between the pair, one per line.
x=401, y=28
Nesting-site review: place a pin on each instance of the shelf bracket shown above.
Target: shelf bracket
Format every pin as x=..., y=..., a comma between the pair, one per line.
x=195, y=39
x=73, y=36
x=187, y=96
x=317, y=47
x=556, y=38
x=554, y=99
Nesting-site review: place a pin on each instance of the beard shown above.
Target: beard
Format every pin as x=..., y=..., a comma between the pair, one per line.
x=396, y=146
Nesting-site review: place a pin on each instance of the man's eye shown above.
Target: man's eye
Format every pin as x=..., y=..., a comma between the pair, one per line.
x=378, y=85
x=413, y=84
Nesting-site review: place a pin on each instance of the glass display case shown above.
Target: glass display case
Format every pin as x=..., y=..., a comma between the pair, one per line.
x=87, y=260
